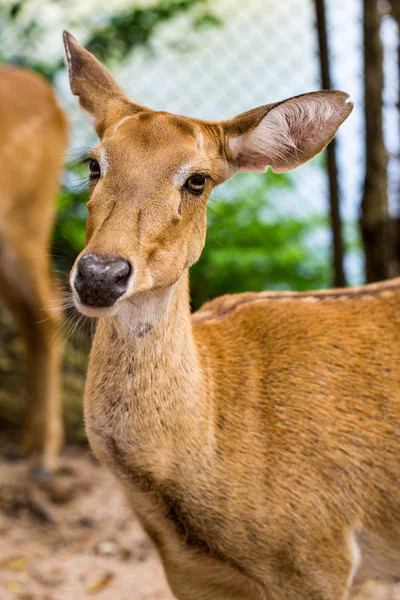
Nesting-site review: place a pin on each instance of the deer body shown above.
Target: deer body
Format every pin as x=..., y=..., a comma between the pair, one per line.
x=252, y=478
x=258, y=439
x=33, y=138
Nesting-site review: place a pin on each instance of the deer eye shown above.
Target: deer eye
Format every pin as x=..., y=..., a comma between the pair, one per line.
x=196, y=184
x=94, y=169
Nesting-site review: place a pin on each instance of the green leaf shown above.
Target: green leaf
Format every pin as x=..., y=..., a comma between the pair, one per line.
x=206, y=20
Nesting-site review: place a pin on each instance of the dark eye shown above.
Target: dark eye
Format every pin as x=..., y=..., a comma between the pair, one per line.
x=196, y=184
x=94, y=169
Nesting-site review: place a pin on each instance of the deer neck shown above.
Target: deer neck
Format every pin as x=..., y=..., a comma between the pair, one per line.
x=144, y=373
x=155, y=329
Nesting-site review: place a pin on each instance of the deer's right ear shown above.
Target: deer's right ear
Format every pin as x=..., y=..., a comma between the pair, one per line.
x=99, y=94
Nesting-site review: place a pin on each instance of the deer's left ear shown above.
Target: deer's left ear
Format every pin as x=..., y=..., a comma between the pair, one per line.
x=287, y=134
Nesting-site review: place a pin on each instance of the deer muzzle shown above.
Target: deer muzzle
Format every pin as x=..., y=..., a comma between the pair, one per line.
x=99, y=281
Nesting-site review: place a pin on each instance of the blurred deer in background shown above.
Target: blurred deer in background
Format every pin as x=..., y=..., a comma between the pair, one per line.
x=33, y=139
x=258, y=440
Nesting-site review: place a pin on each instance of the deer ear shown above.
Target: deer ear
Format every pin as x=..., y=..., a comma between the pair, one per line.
x=99, y=94
x=287, y=134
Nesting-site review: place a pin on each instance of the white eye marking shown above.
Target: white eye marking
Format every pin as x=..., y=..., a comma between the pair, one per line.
x=103, y=162
x=200, y=141
x=181, y=174
x=122, y=121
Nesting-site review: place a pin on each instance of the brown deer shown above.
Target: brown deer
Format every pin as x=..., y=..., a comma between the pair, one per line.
x=257, y=440
x=33, y=138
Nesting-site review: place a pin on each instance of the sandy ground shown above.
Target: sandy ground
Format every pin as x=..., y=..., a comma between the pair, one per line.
x=75, y=539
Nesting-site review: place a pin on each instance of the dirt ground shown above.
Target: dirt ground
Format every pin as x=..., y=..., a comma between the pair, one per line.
x=75, y=539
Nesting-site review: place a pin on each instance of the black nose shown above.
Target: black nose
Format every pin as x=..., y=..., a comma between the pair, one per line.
x=100, y=281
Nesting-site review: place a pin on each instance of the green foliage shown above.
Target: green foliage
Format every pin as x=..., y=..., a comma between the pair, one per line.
x=250, y=247
x=206, y=19
x=111, y=35
x=69, y=232
x=136, y=26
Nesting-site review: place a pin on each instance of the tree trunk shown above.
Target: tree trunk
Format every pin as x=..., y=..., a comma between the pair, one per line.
x=339, y=279
x=395, y=11
x=12, y=381
x=376, y=226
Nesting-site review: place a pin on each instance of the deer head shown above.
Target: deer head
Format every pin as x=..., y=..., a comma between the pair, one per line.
x=152, y=174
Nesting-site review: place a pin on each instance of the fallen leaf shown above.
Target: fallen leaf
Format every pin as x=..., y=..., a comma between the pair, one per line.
x=100, y=584
x=15, y=587
x=18, y=563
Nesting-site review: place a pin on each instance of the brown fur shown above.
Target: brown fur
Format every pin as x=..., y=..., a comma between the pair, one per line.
x=33, y=139
x=257, y=440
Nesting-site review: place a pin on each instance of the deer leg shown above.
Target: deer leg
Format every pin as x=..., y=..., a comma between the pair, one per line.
x=321, y=571
x=30, y=295
x=43, y=433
